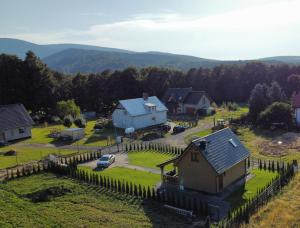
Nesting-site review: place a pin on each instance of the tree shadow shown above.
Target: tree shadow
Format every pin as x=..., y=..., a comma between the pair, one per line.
x=161, y=217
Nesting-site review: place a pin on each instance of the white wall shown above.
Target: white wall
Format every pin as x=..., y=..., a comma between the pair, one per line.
x=203, y=103
x=297, y=113
x=122, y=120
x=14, y=134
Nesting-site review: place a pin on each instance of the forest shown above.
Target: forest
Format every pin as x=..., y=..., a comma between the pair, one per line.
x=39, y=88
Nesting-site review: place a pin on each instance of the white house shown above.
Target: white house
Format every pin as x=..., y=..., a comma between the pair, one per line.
x=15, y=122
x=296, y=106
x=139, y=113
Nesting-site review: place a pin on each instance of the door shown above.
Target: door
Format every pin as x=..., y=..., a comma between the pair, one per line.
x=221, y=182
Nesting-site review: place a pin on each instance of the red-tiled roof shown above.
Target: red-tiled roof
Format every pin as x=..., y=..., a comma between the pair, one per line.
x=296, y=100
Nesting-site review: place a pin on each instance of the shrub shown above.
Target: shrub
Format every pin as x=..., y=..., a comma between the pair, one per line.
x=68, y=121
x=80, y=122
x=103, y=123
x=278, y=112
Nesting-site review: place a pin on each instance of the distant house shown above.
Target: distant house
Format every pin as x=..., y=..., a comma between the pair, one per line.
x=185, y=100
x=296, y=106
x=139, y=113
x=209, y=164
x=15, y=122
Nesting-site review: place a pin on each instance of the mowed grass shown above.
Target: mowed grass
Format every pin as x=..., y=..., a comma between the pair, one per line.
x=137, y=177
x=28, y=154
x=283, y=211
x=81, y=206
x=149, y=159
x=249, y=190
x=40, y=135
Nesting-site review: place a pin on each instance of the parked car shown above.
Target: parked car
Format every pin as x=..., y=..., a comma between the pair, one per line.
x=178, y=129
x=106, y=160
x=166, y=127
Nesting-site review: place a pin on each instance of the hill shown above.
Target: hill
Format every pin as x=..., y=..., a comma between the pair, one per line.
x=20, y=47
x=87, y=61
x=73, y=58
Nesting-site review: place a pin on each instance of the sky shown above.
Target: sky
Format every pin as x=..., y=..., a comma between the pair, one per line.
x=215, y=29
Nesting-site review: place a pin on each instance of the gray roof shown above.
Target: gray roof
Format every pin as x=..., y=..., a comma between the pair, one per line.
x=176, y=94
x=14, y=116
x=194, y=97
x=137, y=106
x=223, y=150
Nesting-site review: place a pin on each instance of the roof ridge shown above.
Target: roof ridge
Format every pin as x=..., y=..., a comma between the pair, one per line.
x=226, y=128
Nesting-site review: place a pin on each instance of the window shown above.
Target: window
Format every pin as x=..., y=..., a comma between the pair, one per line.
x=233, y=143
x=194, y=157
x=21, y=130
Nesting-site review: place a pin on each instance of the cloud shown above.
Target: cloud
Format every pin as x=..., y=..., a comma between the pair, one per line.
x=245, y=33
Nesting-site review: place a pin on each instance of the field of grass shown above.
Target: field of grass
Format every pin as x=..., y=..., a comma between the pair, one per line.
x=40, y=135
x=225, y=114
x=75, y=205
x=128, y=175
x=249, y=190
x=283, y=211
x=254, y=138
x=28, y=154
x=149, y=159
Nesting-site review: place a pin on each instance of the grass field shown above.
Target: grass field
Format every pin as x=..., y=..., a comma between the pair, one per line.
x=149, y=159
x=283, y=211
x=28, y=154
x=128, y=175
x=249, y=190
x=40, y=135
x=78, y=205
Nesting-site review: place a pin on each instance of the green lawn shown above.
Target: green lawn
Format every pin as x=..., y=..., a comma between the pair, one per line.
x=128, y=175
x=28, y=154
x=79, y=205
x=40, y=135
x=222, y=113
x=249, y=190
x=149, y=159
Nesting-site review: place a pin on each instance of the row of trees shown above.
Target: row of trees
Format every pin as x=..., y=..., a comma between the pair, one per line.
x=32, y=83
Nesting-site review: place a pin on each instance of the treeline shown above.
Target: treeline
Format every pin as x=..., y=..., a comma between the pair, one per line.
x=32, y=83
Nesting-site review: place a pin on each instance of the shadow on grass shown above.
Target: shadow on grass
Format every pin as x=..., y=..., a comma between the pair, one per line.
x=236, y=198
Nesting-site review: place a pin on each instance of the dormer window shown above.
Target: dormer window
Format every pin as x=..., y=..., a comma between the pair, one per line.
x=150, y=107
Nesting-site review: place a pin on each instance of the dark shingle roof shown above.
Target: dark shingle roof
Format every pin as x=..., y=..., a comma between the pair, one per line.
x=177, y=94
x=14, y=116
x=194, y=97
x=223, y=150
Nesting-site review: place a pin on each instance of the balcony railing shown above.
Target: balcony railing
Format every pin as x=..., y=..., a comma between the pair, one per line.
x=170, y=179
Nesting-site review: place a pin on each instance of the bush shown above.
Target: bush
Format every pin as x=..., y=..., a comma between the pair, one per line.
x=276, y=113
x=231, y=106
x=68, y=121
x=103, y=123
x=80, y=122
x=10, y=153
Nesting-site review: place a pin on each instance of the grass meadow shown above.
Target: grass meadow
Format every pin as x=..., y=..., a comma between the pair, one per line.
x=71, y=204
x=283, y=211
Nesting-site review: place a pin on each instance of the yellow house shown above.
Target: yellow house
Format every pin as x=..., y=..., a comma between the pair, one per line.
x=208, y=164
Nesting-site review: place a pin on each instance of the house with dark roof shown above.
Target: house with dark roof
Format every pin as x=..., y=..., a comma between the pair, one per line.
x=296, y=106
x=186, y=101
x=15, y=122
x=209, y=164
x=139, y=113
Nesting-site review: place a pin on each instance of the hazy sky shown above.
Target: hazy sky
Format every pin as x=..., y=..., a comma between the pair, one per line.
x=219, y=29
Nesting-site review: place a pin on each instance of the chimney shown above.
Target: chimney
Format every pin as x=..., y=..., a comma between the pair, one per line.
x=202, y=144
x=145, y=96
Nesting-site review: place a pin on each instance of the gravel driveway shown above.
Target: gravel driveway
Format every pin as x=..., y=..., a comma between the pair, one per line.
x=121, y=161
